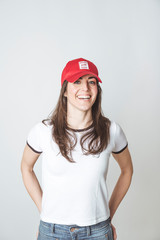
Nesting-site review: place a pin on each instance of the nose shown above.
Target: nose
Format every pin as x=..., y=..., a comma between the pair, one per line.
x=85, y=86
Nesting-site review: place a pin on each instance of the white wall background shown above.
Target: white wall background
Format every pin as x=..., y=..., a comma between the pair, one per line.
x=37, y=39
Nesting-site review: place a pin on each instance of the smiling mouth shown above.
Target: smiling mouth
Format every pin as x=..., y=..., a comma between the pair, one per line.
x=84, y=97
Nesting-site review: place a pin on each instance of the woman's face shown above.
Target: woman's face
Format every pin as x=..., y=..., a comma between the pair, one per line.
x=82, y=93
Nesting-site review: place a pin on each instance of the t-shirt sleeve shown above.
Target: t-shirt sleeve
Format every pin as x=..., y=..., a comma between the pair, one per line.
x=120, y=140
x=34, y=138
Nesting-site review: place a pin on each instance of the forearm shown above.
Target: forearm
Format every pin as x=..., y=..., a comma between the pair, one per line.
x=33, y=187
x=119, y=192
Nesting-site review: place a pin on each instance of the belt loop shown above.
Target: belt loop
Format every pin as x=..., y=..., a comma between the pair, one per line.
x=53, y=228
x=109, y=221
x=88, y=230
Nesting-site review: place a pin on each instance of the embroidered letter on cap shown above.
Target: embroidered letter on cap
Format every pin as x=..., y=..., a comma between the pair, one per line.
x=83, y=65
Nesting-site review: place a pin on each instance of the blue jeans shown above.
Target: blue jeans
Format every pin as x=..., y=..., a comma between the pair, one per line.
x=99, y=231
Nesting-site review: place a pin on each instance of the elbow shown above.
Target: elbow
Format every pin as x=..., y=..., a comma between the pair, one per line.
x=128, y=172
x=21, y=167
x=131, y=174
x=24, y=168
x=131, y=170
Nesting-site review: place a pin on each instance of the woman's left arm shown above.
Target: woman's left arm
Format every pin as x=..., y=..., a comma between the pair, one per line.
x=125, y=162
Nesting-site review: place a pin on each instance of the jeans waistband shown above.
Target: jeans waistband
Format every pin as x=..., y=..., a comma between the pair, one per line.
x=54, y=226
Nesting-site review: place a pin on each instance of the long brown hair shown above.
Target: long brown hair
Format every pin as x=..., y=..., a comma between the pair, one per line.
x=98, y=135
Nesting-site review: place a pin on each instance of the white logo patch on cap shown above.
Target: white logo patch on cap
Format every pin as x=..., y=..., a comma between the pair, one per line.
x=83, y=65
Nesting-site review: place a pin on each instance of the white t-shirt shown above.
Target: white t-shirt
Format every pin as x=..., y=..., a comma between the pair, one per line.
x=74, y=193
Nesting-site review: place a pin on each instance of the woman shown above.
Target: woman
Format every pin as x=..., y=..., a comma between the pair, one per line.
x=76, y=142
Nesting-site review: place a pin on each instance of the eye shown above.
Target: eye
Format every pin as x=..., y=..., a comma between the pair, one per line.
x=90, y=82
x=93, y=82
x=76, y=81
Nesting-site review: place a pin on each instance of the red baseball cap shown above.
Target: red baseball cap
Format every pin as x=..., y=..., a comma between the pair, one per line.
x=77, y=68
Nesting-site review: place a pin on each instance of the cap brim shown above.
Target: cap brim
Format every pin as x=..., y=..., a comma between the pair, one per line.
x=76, y=76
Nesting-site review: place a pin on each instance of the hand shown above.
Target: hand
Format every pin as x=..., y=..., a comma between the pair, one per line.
x=37, y=234
x=114, y=232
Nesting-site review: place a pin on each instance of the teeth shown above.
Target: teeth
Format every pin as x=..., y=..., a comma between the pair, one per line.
x=85, y=97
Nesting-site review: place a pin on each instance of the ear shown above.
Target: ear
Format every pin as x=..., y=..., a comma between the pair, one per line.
x=65, y=94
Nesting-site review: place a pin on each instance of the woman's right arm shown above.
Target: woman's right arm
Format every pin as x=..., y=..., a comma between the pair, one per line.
x=30, y=180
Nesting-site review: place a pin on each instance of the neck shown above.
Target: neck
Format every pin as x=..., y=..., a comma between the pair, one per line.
x=79, y=120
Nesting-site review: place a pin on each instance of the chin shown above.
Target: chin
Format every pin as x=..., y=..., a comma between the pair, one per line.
x=85, y=109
